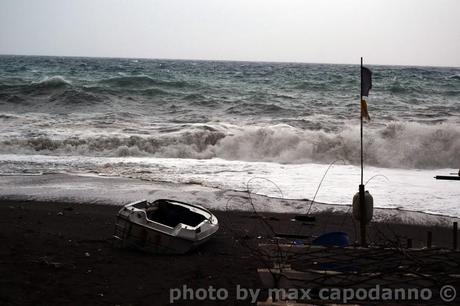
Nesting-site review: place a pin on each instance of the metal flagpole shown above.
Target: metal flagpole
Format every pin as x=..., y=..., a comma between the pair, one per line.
x=361, y=116
x=362, y=208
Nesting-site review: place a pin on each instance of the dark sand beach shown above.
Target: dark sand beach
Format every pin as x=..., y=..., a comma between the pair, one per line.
x=61, y=254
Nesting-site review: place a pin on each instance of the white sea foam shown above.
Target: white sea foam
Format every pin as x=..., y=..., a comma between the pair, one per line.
x=414, y=190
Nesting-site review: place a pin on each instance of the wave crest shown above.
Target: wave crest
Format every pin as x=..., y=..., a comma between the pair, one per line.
x=52, y=82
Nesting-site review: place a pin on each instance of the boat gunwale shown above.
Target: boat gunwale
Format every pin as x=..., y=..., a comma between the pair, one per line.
x=175, y=229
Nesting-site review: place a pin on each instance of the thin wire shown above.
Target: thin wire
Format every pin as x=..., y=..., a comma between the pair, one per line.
x=377, y=175
x=321, y=182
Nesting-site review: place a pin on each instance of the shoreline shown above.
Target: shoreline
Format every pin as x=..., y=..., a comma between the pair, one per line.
x=61, y=253
x=117, y=191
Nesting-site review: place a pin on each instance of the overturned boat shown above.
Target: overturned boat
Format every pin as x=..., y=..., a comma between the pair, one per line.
x=164, y=226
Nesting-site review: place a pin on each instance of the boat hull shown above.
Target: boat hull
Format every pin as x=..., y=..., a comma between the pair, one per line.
x=136, y=236
x=134, y=229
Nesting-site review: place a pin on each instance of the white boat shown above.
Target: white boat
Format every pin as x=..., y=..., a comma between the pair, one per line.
x=164, y=226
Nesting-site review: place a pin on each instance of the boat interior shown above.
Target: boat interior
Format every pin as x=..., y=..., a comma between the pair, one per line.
x=166, y=213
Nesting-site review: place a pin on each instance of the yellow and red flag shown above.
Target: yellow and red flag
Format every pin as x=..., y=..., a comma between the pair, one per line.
x=366, y=85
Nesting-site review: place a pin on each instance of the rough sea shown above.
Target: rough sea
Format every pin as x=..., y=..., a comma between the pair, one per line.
x=221, y=124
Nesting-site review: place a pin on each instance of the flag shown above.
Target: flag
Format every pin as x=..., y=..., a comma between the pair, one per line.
x=366, y=85
x=364, y=112
x=366, y=81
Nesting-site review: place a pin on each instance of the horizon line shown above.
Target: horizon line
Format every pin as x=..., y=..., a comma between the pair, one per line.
x=227, y=60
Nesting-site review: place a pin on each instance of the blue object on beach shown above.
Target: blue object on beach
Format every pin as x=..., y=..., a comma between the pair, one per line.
x=339, y=239
x=298, y=242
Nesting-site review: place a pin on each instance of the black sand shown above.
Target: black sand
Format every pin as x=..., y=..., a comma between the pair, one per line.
x=61, y=254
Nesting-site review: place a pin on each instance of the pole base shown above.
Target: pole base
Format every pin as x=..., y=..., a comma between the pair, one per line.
x=363, y=213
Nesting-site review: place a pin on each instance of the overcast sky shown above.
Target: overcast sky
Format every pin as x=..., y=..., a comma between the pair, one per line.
x=399, y=32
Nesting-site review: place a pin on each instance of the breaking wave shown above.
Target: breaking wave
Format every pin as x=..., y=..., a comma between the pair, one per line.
x=47, y=84
x=276, y=112
x=397, y=145
x=52, y=82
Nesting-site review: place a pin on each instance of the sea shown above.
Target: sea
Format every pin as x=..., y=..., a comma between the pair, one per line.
x=288, y=130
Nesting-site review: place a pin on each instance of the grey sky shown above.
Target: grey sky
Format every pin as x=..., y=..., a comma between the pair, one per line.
x=406, y=32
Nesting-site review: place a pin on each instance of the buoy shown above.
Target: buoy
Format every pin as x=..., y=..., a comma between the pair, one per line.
x=368, y=201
